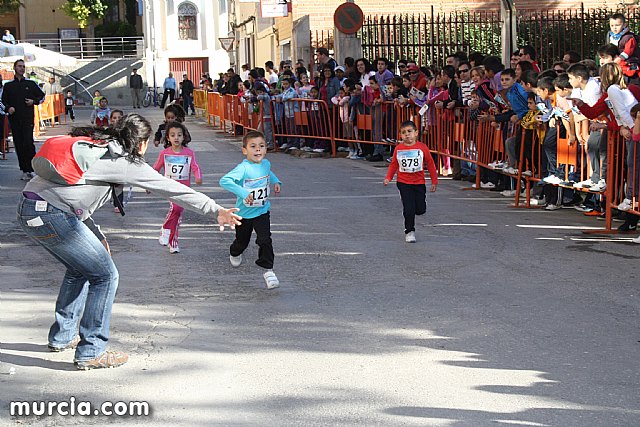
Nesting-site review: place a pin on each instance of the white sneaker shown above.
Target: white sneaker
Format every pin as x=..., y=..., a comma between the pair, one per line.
x=235, y=260
x=538, y=202
x=551, y=207
x=174, y=250
x=487, y=185
x=552, y=179
x=625, y=205
x=636, y=240
x=343, y=149
x=25, y=177
x=498, y=164
x=164, y=235
x=318, y=150
x=587, y=183
x=508, y=193
x=600, y=186
x=510, y=170
x=284, y=146
x=271, y=280
x=527, y=173
x=410, y=237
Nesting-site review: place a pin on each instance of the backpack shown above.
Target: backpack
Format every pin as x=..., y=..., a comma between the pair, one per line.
x=65, y=159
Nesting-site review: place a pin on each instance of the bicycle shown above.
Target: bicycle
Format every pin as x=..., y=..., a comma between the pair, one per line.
x=152, y=95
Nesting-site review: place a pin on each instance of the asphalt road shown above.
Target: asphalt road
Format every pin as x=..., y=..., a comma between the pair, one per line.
x=496, y=316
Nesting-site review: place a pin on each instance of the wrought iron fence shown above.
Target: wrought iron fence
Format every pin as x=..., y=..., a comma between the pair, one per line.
x=553, y=32
x=429, y=38
x=87, y=48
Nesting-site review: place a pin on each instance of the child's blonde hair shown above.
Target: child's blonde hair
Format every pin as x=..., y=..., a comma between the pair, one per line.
x=611, y=74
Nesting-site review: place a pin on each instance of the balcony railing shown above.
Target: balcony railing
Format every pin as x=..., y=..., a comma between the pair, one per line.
x=88, y=48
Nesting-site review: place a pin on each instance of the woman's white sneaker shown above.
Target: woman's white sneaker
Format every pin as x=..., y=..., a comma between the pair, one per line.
x=235, y=260
x=410, y=237
x=271, y=280
x=625, y=205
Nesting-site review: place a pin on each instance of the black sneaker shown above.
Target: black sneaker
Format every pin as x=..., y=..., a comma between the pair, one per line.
x=627, y=227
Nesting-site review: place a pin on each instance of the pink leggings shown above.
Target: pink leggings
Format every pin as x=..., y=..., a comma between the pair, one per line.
x=172, y=222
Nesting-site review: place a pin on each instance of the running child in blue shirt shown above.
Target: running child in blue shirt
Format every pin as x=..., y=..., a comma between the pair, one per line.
x=250, y=181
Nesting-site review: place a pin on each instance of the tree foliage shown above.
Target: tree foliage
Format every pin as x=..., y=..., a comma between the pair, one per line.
x=7, y=6
x=84, y=10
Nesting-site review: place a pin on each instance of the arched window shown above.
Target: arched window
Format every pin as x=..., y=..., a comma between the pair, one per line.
x=187, y=26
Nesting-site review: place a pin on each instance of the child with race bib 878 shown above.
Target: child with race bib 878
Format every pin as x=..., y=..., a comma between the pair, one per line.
x=178, y=163
x=409, y=159
x=250, y=181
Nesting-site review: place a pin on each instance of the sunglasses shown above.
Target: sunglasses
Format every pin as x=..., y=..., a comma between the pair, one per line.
x=413, y=72
x=463, y=71
x=402, y=66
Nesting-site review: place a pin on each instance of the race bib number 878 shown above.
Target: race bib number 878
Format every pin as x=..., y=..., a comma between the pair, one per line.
x=410, y=161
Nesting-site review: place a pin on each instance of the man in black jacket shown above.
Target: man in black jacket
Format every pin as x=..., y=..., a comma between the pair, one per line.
x=135, y=84
x=19, y=97
x=187, y=95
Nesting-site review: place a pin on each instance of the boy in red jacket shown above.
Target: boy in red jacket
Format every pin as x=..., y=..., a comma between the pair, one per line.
x=409, y=159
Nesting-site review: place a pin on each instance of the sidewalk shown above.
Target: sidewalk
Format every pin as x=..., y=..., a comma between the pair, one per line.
x=495, y=316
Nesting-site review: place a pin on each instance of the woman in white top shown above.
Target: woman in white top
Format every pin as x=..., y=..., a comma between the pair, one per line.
x=620, y=101
x=363, y=71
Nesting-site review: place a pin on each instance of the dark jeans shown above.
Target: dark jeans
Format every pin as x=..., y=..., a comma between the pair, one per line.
x=262, y=225
x=414, y=202
x=187, y=101
x=90, y=282
x=22, y=131
x=597, y=151
x=68, y=110
x=170, y=93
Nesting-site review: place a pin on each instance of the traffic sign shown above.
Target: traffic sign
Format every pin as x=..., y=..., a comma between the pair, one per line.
x=348, y=18
x=227, y=43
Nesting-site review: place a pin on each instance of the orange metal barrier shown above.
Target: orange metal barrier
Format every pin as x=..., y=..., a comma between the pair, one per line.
x=215, y=109
x=200, y=102
x=623, y=176
x=303, y=120
x=447, y=133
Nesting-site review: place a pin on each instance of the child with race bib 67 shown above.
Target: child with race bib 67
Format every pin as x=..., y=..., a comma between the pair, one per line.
x=409, y=159
x=178, y=163
x=250, y=181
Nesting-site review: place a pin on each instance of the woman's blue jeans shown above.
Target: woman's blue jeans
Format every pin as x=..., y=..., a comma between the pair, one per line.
x=90, y=282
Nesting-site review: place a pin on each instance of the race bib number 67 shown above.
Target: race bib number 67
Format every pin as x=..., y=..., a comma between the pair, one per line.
x=177, y=167
x=410, y=161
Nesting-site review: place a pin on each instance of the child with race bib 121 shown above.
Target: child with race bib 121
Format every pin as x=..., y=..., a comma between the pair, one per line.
x=178, y=163
x=250, y=181
x=409, y=159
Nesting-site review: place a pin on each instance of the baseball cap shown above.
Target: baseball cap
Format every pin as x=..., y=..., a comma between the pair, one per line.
x=413, y=67
x=340, y=67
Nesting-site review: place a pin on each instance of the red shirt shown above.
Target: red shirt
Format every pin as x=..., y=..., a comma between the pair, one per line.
x=410, y=167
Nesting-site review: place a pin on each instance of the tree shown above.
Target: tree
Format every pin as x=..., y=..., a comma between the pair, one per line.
x=84, y=10
x=7, y=6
